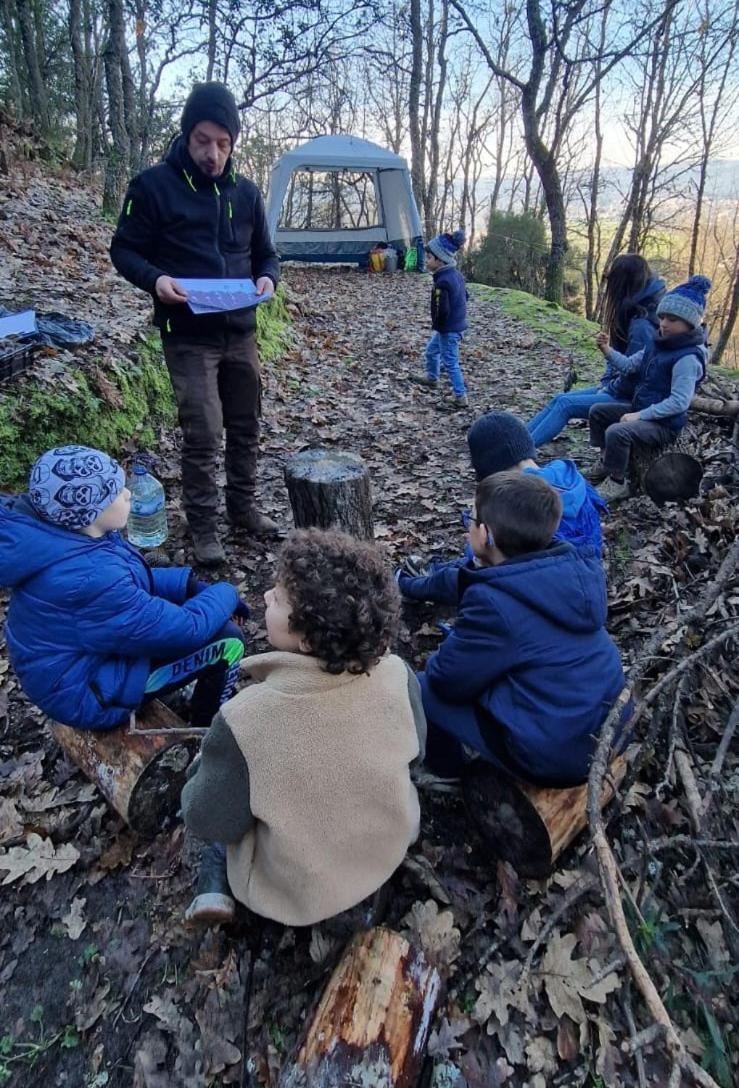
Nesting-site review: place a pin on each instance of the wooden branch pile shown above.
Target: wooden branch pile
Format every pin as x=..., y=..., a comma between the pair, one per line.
x=691, y=648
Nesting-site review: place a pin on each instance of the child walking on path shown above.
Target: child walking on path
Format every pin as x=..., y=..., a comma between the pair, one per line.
x=629, y=317
x=92, y=630
x=665, y=376
x=499, y=442
x=448, y=316
x=529, y=673
x=305, y=775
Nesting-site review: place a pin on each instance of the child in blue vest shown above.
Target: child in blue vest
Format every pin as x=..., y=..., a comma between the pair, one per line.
x=667, y=373
x=448, y=316
x=499, y=442
x=92, y=630
x=529, y=673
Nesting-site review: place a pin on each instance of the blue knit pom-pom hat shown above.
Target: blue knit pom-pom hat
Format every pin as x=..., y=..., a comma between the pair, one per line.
x=445, y=246
x=688, y=301
x=70, y=486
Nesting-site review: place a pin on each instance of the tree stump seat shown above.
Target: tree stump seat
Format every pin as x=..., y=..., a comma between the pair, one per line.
x=528, y=825
x=139, y=768
x=330, y=489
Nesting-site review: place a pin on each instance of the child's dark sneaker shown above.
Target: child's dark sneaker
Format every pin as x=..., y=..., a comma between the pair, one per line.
x=423, y=379
x=213, y=902
x=598, y=473
x=614, y=490
x=460, y=401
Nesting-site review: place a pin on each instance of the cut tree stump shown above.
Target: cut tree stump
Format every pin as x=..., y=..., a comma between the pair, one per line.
x=140, y=774
x=527, y=825
x=372, y=1022
x=331, y=490
x=673, y=477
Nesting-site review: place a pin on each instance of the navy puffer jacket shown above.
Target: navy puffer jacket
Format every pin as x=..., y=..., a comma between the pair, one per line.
x=87, y=616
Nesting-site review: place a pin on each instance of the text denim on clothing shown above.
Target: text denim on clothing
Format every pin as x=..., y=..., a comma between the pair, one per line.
x=616, y=439
x=216, y=384
x=443, y=347
x=214, y=667
x=555, y=415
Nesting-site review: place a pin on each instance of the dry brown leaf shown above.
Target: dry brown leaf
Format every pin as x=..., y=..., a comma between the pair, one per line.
x=712, y=935
x=541, y=1055
x=73, y=921
x=434, y=932
x=321, y=945
x=500, y=991
x=568, y=980
x=447, y=1037
x=11, y=823
x=37, y=859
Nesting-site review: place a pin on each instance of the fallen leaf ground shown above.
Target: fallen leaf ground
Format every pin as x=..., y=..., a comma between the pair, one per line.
x=101, y=984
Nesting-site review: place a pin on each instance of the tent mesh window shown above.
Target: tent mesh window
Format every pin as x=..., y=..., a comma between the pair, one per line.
x=331, y=200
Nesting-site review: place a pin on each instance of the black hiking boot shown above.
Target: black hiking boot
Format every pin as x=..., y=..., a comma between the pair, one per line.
x=213, y=903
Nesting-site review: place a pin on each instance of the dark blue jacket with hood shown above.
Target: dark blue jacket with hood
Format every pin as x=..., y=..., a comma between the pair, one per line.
x=87, y=615
x=639, y=317
x=580, y=526
x=530, y=651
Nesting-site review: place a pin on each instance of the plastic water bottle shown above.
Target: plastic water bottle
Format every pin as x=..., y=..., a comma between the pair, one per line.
x=147, y=522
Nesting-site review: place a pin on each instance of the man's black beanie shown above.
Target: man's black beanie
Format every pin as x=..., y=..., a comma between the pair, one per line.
x=211, y=102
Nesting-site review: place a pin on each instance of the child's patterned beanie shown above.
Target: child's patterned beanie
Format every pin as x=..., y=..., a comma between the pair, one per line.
x=71, y=485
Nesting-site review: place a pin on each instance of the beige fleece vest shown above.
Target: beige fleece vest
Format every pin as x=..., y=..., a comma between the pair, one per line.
x=330, y=787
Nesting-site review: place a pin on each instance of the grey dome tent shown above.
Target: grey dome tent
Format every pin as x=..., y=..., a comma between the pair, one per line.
x=335, y=197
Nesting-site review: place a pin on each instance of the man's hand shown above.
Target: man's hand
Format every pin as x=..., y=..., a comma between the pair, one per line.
x=169, y=291
x=602, y=342
x=631, y=417
x=265, y=286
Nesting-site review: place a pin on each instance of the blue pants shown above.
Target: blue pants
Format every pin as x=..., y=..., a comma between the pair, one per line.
x=554, y=417
x=443, y=347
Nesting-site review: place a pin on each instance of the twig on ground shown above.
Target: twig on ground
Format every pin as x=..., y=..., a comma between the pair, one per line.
x=692, y=794
x=718, y=762
x=639, y=1039
x=577, y=891
x=634, y=1044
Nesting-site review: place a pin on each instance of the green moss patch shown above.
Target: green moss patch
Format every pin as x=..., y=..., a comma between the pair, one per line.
x=546, y=319
x=104, y=403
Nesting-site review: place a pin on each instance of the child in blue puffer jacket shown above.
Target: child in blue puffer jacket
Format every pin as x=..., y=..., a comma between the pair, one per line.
x=448, y=316
x=529, y=673
x=92, y=630
x=499, y=442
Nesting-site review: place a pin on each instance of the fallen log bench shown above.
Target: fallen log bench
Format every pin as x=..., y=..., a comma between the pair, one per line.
x=330, y=489
x=372, y=1023
x=526, y=825
x=139, y=768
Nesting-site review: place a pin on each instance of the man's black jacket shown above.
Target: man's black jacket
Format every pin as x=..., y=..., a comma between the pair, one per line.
x=178, y=222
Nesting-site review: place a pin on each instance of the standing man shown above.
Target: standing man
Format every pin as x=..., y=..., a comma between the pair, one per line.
x=193, y=216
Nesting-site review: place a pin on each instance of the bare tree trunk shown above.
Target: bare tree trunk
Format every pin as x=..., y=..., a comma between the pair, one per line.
x=36, y=87
x=212, y=40
x=119, y=154
x=414, y=102
x=731, y=316
x=14, y=92
x=81, y=155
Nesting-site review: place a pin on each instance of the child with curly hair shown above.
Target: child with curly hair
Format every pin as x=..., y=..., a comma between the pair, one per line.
x=305, y=774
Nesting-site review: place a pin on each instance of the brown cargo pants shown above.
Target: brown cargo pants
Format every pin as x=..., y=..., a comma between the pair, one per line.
x=216, y=384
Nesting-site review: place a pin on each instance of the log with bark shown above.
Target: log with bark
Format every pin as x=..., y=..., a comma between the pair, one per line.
x=140, y=773
x=528, y=825
x=331, y=490
x=668, y=473
x=372, y=1022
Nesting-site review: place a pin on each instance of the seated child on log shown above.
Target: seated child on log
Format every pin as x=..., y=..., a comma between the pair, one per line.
x=92, y=630
x=528, y=674
x=305, y=775
x=667, y=373
x=499, y=442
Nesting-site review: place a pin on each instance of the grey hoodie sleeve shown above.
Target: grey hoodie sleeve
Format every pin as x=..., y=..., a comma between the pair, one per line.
x=624, y=364
x=419, y=717
x=215, y=800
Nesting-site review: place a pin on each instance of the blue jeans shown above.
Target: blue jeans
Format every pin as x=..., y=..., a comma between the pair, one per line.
x=554, y=417
x=443, y=347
